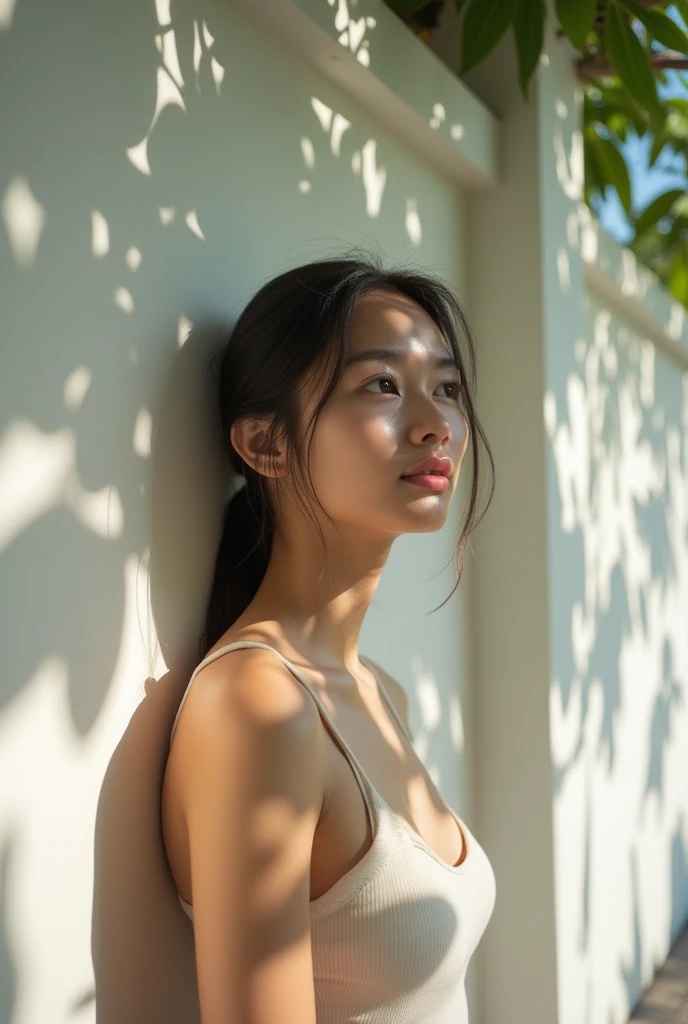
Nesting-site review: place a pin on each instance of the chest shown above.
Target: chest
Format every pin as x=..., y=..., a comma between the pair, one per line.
x=344, y=834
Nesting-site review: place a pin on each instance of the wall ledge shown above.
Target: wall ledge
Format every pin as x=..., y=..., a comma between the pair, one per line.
x=364, y=48
x=613, y=274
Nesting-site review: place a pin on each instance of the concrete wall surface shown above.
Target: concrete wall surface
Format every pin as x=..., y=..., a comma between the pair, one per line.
x=578, y=610
x=159, y=163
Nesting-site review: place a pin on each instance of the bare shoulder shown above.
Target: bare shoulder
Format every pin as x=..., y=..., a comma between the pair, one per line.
x=250, y=693
x=249, y=748
x=396, y=692
x=254, y=682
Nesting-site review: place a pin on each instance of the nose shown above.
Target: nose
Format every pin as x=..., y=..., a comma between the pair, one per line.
x=428, y=421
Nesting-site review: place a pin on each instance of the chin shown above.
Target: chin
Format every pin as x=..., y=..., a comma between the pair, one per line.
x=426, y=521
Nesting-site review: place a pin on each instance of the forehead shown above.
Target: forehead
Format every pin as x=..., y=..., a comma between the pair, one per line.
x=390, y=317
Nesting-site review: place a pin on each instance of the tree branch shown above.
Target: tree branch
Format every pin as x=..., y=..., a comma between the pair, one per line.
x=596, y=67
x=599, y=17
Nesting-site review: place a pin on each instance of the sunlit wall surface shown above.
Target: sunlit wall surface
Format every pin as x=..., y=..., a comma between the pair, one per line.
x=579, y=605
x=158, y=163
x=617, y=420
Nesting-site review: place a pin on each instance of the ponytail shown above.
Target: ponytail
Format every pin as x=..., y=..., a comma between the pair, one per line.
x=242, y=559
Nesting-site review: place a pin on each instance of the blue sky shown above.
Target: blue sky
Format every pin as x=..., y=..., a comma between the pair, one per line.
x=646, y=182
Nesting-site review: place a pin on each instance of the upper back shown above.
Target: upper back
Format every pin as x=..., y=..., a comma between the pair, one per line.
x=242, y=795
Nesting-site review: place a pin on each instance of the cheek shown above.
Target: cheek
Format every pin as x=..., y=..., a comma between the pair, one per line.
x=355, y=446
x=378, y=436
x=363, y=445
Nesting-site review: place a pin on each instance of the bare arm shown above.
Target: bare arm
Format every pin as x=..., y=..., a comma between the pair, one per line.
x=253, y=791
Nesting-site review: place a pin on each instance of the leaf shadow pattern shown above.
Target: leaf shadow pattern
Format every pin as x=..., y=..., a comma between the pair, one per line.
x=146, y=191
x=619, y=456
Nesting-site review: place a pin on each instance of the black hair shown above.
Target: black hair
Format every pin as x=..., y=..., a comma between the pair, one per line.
x=295, y=324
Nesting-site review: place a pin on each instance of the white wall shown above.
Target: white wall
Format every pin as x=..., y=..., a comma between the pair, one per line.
x=578, y=612
x=158, y=165
x=617, y=418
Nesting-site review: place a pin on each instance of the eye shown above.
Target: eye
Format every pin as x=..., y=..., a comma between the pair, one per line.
x=455, y=384
x=385, y=379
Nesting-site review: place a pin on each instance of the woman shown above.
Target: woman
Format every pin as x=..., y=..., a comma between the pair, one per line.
x=325, y=877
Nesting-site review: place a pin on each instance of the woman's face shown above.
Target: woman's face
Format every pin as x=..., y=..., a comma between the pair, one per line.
x=388, y=413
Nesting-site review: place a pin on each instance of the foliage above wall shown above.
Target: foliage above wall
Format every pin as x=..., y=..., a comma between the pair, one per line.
x=622, y=47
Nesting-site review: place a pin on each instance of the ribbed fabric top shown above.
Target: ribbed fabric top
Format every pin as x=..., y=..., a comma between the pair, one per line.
x=391, y=939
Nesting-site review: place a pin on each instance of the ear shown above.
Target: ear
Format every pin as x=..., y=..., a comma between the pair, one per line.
x=248, y=437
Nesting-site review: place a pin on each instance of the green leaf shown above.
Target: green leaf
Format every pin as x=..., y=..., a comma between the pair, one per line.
x=660, y=26
x=630, y=60
x=677, y=280
x=677, y=122
x=682, y=8
x=594, y=176
x=677, y=233
x=577, y=18
x=658, y=143
x=679, y=207
x=485, y=24
x=640, y=120
x=678, y=103
x=459, y=5
x=404, y=7
x=591, y=111
x=618, y=123
x=617, y=97
x=529, y=30
x=657, y=209
x=615, y=171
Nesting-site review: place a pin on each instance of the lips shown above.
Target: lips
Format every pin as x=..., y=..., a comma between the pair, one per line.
x=441, y=466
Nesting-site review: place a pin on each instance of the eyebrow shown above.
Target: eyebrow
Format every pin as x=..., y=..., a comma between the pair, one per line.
x=392, y=355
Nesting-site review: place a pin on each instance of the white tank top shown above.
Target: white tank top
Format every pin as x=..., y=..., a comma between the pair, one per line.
x=391, y=939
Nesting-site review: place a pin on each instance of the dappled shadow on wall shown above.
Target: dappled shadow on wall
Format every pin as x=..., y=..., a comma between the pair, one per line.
x=122, y=233
x=103, y=250
x=618, y=427
x=190, y=485
x=142, y=940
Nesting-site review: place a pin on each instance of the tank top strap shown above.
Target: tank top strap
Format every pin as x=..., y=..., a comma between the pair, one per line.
x=206, y=661
x=365, y=784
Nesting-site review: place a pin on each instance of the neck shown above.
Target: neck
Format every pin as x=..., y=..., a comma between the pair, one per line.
x=321, y=600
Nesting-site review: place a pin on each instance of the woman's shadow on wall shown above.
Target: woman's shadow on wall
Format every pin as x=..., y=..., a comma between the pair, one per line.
x=142, y=941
